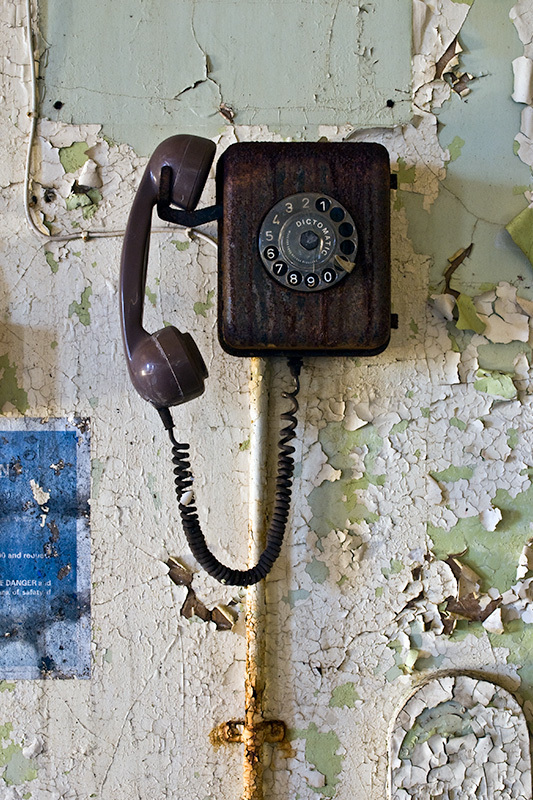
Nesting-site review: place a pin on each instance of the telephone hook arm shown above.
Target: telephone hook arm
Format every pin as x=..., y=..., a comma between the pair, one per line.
x=188, y=219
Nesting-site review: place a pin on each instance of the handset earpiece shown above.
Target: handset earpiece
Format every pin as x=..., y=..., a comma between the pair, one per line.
x=165, y=367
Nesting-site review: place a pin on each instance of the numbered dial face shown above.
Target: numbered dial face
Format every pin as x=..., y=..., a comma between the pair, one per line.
x=308, y=242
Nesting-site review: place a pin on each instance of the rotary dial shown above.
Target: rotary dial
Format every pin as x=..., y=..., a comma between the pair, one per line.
x=308, y=242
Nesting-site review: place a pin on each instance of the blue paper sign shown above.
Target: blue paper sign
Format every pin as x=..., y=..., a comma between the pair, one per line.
x=44, y=549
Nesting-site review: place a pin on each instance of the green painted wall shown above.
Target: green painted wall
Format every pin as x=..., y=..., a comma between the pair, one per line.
x=154, y=69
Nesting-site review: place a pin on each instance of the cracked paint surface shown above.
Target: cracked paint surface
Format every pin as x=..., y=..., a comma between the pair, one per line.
x=460, y=735
x=410, y=546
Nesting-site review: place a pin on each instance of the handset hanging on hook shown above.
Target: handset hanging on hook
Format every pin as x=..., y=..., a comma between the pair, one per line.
x=165, y=367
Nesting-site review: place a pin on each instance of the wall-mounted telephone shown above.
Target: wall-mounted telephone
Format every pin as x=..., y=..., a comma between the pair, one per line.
x=303, y=270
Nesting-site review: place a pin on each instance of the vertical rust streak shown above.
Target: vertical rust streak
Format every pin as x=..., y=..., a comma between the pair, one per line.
x=254, y=730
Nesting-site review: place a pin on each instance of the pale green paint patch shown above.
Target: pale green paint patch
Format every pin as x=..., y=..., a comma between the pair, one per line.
x=416, y=633
x=17, y=768
x=5, y=686
x=202, y=308
x=500, y=357
x=400, y=427
x=454, y=342
x=405, y=174
x=518, y=640
x=54, y=344
x=339, y=444
x=151, y=482
x=413, y=326
x=320, y=750
x=424, y=663
x=318, y=571
x=521, y=230
x=453, y=473
x=425, y=412
x=5, y=730
x=74, y=157
x=455, y=422
x=466, y=627
x=393, y=673
x=512, y=438
x=245, y=445
x=74, y=201
x=328, y=63
x=179, y=245
x=493, y=555
x=459, y=339
x=81, y=309
x=334, y=502
x=394, y=568
x=10, y=391
x=50, y=260
x=151, y=296
x=455, y=147
x=344, y=696
x=495, y=383
x=87, y=201
x=293, y=596
x=108, y=655
x=468, y=319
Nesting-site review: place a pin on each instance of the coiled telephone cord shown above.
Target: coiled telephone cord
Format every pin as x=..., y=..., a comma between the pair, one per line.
x=183, y=481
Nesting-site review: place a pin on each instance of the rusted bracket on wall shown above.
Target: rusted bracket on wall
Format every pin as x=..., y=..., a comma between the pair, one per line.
x=235, y=732
x=253, y=735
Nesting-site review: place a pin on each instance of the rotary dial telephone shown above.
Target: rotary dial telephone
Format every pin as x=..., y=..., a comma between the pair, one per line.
x=303, y=270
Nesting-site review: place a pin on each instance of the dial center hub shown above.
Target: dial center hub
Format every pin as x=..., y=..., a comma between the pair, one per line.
x=310, y=240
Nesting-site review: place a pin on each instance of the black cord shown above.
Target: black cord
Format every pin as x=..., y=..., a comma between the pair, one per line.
x=183, y=481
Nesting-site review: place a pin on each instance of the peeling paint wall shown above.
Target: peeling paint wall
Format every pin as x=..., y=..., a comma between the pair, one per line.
x=409, y=552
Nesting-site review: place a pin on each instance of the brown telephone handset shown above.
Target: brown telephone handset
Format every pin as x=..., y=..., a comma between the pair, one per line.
x=304, y=270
